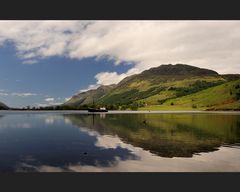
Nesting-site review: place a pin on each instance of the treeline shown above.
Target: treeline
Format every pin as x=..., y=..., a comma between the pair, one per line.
x=236, y=92
x=116, y=106
x=129, y=97
x=195, y=87
x=130, y=106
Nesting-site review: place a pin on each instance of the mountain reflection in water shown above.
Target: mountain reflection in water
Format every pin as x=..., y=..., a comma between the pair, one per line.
x=119, y=142
x=166, y=135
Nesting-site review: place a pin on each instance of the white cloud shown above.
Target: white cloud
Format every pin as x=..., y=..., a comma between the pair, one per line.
x=3, y=94
x=41, y=104
x=108, y=78
x=49, y=99
x=39, y=39
x=23, y=94
x=50, y=102
x=55, y=103
x=30, y=61
x=93, y=86
x=209, y=44
x=6, y=93
x=151, y=43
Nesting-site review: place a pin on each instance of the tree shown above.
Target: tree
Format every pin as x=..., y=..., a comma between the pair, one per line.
x=134, y=106
x=141, y=104
x=124, y=107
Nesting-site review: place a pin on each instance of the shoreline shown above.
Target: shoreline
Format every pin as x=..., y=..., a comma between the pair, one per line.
x=121, y=112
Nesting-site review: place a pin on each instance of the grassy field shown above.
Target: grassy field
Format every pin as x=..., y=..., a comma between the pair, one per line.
x=225, y=96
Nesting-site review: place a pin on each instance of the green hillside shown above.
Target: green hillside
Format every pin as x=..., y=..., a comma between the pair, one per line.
x=88, y=97
x=164, y=87
x=160, y=83
x=221, y=97
x=157, y=89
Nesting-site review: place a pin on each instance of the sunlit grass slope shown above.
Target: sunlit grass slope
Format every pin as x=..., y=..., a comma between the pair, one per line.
x=225, y=96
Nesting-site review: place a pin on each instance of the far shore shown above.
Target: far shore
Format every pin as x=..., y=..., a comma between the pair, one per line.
x=120, y=112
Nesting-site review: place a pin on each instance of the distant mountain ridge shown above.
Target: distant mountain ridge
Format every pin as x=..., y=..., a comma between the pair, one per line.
x=88, y=97
x=3, y=106
x=153, y=87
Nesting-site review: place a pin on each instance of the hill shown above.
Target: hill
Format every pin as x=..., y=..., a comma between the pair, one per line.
x=155, y=85
x=155, y=88
x=88, y=97
x=3, y=106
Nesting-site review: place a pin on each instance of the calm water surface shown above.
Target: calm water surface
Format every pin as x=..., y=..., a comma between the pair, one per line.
x=65, y=141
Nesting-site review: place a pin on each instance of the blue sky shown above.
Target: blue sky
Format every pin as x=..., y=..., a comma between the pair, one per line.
x=45, y=62
x=55, y=77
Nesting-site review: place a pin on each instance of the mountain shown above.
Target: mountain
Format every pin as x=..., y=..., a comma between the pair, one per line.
x=156, y=87
x=157, y=84
x=88, y=97
x=3, y=106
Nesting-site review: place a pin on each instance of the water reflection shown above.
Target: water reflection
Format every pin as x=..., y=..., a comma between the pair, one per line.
x=167, y=135
x=55, y=145
x=119, y=142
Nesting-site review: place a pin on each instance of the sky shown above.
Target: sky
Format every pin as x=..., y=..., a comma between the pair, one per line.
x=46, y=62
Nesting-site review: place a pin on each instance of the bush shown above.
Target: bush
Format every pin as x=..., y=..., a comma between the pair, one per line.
x=161, y=101
x=124, y=107
x=238, y=95
x=134, y=106
x=141, y=104
x=194, y=106
x=113, y=107
x=172, y=89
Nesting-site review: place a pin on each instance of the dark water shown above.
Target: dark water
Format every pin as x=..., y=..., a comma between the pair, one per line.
x=31, y=141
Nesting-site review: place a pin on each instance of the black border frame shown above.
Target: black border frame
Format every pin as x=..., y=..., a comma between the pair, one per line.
x=120, y=181
x=120, y=9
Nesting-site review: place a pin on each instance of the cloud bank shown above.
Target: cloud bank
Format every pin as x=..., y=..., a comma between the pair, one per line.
x=17, y=94
x=23, y=94
x=145, y=44
x=49, y=99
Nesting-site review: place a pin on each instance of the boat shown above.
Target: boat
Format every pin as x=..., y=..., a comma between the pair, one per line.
x=101, y=109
